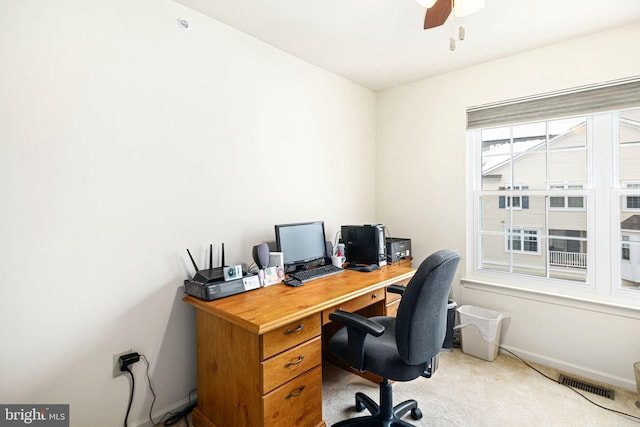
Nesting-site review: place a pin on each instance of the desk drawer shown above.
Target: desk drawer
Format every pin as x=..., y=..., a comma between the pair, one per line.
x=285, y=366
x=289, y=336
x=296, y=403
x=355, y=304
x=392, y=308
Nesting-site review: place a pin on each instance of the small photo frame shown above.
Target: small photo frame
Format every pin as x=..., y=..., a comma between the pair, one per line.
x=274, y=273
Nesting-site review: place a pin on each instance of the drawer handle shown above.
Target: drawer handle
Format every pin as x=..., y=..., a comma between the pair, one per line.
x=298, y=329
x=295, y=393
x=374, y=296
x=286, y=365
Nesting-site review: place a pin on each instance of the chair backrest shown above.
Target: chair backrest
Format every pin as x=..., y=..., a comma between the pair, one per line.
x=421, y=321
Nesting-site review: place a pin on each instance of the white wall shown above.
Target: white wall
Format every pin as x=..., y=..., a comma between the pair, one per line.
x=125, y=140
x=421, y=186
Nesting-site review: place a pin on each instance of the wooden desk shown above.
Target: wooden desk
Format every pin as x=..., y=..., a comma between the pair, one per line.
x=260, y=352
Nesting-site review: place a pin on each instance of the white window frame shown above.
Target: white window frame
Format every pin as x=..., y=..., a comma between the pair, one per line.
x=603, y=283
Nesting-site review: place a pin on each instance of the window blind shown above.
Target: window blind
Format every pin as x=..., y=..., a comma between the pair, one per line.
x=614, y=95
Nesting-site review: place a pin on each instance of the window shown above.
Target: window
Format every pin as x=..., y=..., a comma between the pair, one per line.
x=521, y=240
x=539, y=235
x=532, y=153
x=632, y=202
x=628, y=126
x=566, y=202
x=625, y=248
x=514, y=202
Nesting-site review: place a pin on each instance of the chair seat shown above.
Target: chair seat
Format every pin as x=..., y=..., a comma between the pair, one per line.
x=384, y=361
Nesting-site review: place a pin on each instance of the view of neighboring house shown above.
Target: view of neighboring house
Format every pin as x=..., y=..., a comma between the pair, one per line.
x=630, y=256
x=539, y=226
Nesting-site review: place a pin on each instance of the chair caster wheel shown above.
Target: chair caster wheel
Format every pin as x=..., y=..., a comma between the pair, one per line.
x=416, y=413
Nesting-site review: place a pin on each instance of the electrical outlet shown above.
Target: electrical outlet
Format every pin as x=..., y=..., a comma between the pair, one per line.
x=116, y=363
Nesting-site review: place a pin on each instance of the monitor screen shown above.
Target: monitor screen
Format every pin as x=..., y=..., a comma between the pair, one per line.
x=301, y=243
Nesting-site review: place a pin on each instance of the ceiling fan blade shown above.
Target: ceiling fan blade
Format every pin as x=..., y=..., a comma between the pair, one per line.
x=437, y=14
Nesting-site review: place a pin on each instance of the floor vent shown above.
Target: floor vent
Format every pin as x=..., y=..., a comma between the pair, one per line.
x=591, y=388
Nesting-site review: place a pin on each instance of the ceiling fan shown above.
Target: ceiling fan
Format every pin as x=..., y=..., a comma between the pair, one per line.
x=439, y=10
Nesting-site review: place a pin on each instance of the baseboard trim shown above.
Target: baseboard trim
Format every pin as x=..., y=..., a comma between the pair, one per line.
x=570, y=368
x=159, y=413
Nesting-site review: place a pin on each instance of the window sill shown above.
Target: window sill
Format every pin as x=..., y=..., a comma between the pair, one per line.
x=582, y=303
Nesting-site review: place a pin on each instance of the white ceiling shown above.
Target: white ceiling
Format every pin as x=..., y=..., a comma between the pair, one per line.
x=381, y=43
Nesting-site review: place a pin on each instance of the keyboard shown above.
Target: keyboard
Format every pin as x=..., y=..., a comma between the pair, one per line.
x=316, y=273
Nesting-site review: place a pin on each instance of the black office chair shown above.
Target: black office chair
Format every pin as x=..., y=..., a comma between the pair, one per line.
x=401, y=348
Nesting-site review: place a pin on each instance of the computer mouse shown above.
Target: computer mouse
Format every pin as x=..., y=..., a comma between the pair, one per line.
x=292, y=282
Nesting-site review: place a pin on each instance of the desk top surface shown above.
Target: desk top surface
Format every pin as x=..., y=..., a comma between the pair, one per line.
x=265, y=309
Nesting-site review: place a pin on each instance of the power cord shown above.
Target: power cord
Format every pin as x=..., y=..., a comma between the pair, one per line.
x=125, y=361
x=133, y=386
x=569, y=387
x=252, y=266
x=173, y=417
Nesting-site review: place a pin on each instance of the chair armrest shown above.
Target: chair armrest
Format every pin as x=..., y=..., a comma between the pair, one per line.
x=358, y=327
x=357, y=321
x=396, y=289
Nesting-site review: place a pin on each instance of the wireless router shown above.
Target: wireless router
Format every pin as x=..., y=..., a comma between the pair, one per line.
x=211, y=284
x=212, y=274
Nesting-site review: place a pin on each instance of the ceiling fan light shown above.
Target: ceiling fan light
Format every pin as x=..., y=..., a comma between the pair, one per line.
x=426, y=3
x=467, y=7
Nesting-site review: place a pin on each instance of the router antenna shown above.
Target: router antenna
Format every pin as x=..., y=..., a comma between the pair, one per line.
x=192, y=261
x=210, y=256
x=223, y=254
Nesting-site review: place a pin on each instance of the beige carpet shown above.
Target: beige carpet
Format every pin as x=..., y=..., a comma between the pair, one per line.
x=467, y=391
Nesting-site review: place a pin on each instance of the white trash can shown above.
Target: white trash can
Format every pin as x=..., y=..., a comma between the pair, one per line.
x=480, y=334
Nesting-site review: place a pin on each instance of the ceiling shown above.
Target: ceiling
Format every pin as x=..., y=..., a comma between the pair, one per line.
x=381, y=43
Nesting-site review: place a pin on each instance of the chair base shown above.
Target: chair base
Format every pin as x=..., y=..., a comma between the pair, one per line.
x=385, y=414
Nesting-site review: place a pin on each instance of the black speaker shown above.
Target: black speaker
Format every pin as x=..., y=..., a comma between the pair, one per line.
x=261, y=255
x=328, y=248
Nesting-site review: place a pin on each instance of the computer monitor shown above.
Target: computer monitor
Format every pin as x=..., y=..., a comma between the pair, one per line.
x=301, y=243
